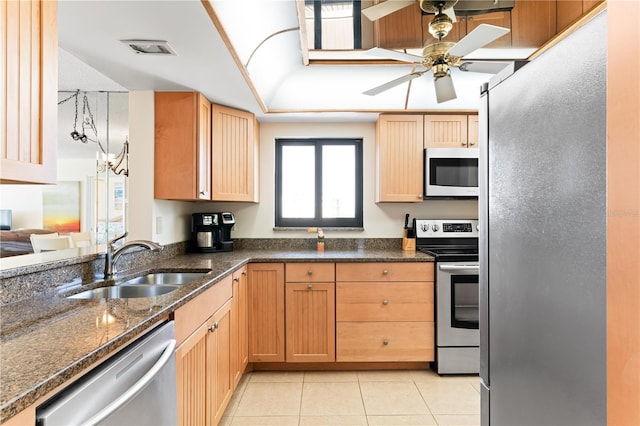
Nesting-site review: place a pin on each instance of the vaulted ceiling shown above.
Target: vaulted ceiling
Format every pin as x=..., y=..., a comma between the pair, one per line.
x=240, y=53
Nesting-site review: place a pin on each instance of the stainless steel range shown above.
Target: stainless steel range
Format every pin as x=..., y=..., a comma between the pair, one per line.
x=454, y=244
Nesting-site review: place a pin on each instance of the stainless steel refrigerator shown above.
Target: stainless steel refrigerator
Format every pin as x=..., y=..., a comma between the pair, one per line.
x=542, y=211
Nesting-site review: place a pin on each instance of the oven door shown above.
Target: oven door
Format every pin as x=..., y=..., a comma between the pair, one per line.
x=458, y=307
x=451, y=172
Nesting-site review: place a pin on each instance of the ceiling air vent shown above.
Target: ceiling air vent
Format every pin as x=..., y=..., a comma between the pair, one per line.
x=150, y=47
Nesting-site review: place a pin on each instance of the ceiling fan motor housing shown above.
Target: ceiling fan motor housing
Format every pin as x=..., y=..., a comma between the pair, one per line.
x=435, y=6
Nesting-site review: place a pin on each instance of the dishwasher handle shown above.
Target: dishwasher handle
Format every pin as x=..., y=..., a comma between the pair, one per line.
x=137, y=387
x=458, y=268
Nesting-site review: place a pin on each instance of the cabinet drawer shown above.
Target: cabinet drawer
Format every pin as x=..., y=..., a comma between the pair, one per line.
x=410, y=301
x=384, y=271
x=365, y=341
x=191, y=315
x=309, y=272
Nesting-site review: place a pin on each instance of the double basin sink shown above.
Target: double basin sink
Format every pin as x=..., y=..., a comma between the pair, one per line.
x=149, y=285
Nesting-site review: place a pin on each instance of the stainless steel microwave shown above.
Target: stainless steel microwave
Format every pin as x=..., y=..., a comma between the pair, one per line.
x=451, y=172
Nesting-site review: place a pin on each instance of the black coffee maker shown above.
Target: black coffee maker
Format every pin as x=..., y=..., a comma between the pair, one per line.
x=211, y=232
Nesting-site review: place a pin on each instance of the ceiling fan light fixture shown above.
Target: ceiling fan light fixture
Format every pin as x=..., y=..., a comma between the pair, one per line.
x=439, y=70
x=440, y=26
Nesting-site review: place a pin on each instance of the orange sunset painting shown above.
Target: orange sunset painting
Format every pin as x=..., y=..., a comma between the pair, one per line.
x=61, y=207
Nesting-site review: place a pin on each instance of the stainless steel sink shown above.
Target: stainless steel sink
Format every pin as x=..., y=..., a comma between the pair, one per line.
x=125, y=291
x=159, y=278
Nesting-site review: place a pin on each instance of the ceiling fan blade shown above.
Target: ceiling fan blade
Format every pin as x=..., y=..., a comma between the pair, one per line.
x=444, y=89
x=393, y=83
x=481, y=36
x=380, y=10
x=451, y=13
x=484, y=67
x=395, y=55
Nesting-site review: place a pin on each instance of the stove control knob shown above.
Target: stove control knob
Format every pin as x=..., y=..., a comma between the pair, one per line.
x=425, y=227
x=435, y=227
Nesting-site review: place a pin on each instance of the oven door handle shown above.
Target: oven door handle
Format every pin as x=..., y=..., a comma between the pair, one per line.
x=458, y=268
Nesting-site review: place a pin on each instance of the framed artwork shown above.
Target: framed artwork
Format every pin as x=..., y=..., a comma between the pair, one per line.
x=61, y=207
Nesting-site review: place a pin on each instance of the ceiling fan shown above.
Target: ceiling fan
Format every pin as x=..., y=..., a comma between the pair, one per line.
x=439, y=57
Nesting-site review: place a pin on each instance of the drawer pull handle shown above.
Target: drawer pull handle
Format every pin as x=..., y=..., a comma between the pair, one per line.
x=385, y=272
x=213, y=327
x=385, y=342
x=385, y=302
x=309, y=272
x=310, y=287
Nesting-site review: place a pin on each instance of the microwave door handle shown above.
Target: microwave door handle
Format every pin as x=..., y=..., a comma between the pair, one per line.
x=458, y=268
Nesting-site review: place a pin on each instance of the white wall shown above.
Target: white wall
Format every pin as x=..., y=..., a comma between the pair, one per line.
x=381, y=220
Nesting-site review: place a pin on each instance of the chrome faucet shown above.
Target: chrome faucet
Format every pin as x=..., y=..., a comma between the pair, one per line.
x=113, y=254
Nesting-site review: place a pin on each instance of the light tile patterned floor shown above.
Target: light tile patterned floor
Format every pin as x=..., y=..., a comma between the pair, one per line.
x=390, y=398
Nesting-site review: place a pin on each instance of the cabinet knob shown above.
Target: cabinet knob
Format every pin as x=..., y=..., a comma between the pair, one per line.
x=310, y=287
x=236, y=279
x=385, y=272
x=420, y=196
x=309, y=272
x=202, y=192
x=213, y=327
x=463, y=144
x=244, y=273
x=385, y=342
x=385, y=302
x=472, y=143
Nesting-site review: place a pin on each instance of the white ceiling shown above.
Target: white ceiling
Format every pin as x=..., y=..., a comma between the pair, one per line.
x=90, y=34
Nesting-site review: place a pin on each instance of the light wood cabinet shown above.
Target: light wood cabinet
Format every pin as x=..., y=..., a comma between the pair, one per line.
x=203, y=357
x=399, y=158
x=569, y=11
x=451, y=131
x=182, y=146
x=384, y=312
x=235, y=144
x=28, y=99
x=310, y=312
x=265, y=284
x=239, y=327
x=533, y=22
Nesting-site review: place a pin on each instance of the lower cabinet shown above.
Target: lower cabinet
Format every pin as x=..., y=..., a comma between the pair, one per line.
x=203, y=359
x=265, y=289
x=384, y=312
x=239, y=337
x=310, y=312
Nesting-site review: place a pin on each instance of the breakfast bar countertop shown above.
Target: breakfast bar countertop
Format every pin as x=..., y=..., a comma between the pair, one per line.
x=47, y=339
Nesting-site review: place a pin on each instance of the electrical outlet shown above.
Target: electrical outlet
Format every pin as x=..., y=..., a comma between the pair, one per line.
x=158, y=225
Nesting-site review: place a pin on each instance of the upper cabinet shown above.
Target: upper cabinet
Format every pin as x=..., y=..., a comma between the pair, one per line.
x=399, y=158
x=182, y=146
x=451, y=131
x=28, y=99
x=204, y=151
x=235, y=145
x=533, y=22
x=568, y=11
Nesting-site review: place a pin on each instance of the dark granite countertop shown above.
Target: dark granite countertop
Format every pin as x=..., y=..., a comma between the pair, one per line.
x=48, y=339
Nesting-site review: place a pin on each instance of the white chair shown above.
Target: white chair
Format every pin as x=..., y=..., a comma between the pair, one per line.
x=49, y=242
x=81, y=239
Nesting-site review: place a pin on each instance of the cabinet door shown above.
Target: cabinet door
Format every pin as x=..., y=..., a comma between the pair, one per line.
x=191, y=378
x=534, y=22
x=265, y=284
x=219, y=380
x=204, y=149
x=180, y=120
x=234, y=155
x=399, y=158
x=445, y=131
x=28, y=99
x=472, y=131
x=239, y=342
x=310, y=326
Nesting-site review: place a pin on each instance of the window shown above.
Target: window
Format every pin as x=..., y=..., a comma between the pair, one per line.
x=319, y=182
x=336, y=25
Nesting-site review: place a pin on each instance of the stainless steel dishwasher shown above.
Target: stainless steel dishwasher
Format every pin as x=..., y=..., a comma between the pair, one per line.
x=134, y=387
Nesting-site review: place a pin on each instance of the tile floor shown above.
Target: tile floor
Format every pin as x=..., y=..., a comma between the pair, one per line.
x=354, y=398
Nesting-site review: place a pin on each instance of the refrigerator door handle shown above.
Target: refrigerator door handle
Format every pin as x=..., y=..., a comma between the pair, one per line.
x=459, y=268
